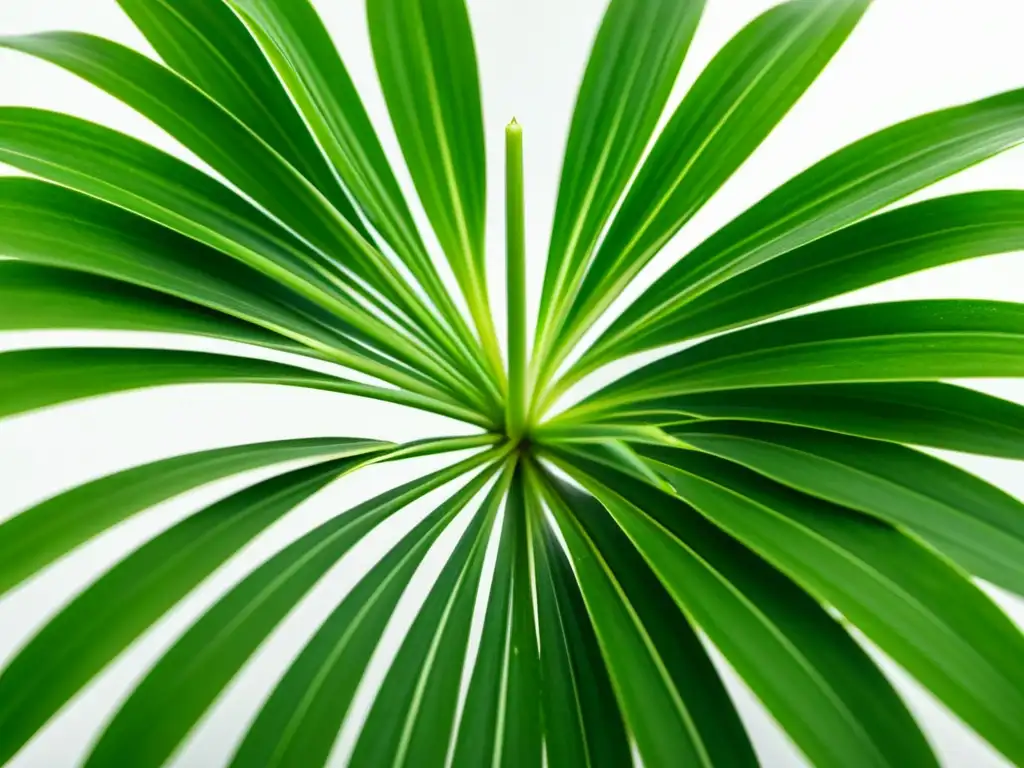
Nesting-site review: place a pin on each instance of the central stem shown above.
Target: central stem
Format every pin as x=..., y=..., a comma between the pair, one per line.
x=515, y=280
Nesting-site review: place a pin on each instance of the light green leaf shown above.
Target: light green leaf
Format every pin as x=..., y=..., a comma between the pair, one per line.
x=917, y=608
x=185, y=682
x=974, y=523
x=33, y=297
x=113, y=612
x=296, y=42
x=426, y=63
x=735, y=103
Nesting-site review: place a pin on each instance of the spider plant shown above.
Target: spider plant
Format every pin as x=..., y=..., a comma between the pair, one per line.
x=762, y=491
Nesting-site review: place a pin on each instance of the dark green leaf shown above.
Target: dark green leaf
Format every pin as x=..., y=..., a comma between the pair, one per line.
x=920, y=413
x=925, y=614
x=977, y=525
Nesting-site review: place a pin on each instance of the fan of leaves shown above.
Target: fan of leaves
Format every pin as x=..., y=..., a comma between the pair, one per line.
x=758, y=491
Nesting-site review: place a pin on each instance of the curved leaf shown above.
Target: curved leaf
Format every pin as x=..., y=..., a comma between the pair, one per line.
x=412, y=717
x=899, y=341
x=974, y=523
x=33, y=539
x=810, y=674
x=118, y=608
x=702, y=708
x=920, y=413
x=185, y=682
x=41, y=298
x=633, y=65
x=910, y=239
x=735, y=103
x=209, y=45
x=36, y=378
x=851, y=183
x=926, y=615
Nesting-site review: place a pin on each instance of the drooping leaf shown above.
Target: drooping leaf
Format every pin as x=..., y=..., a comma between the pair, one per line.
x=816, y=681
x=702, y=712
x=412, y=718
x=501, y=722
x=917, y=608
x=36, y=537
x=118, y=608
x=187, y=679
x=977, y=525
x=582, y=721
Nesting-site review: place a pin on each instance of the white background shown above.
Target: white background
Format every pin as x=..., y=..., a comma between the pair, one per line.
x=907, y=57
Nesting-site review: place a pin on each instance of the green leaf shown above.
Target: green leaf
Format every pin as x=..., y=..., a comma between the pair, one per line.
x=501, y=722
x=837, y=191
x=339, y=250
x=36, y=378
x=46, y=224
x=214, y=134
x=42, y=298
x=36, y=537
x=899, y=341
x=413, y=714
x=909, y=239
x=738, y=99
x=910, y=602
x=920, y=413
x=426, y=63
x=184, y=683
x=658, y=707
x=582, y=721
x=815, y=680
x=633, y=65
x=702, y=712
x=974, y=523
x=113, y=612
x=209, y=45
x=297, y=44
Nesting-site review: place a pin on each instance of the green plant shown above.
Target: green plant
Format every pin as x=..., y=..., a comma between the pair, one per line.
x=758, y=487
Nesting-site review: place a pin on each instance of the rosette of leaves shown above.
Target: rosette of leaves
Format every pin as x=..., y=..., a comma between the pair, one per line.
x=762, y=491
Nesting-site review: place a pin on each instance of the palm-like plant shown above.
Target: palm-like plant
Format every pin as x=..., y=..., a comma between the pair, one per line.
x=756, y=490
